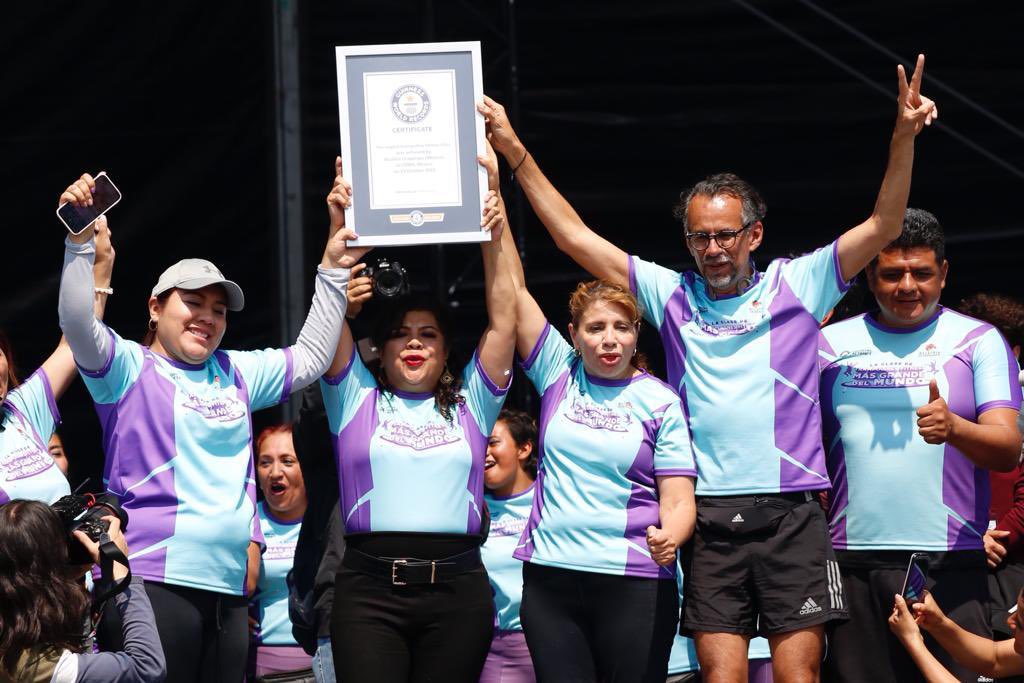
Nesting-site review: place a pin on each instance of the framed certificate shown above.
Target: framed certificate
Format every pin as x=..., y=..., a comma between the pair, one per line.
x=410, y=136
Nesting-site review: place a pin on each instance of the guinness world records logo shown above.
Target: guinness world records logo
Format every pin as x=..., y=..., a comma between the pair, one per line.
x=410, y=104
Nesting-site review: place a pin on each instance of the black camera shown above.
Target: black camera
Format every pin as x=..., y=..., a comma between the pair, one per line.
x=389, y=278
x=84, y=512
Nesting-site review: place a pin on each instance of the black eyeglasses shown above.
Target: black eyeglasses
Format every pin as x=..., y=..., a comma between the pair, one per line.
x=724, y=238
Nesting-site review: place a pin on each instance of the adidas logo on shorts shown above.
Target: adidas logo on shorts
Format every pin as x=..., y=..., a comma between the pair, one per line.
x=738, y=518
x=809, y=607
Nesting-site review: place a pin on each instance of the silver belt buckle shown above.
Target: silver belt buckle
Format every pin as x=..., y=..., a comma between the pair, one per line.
x=394, y=572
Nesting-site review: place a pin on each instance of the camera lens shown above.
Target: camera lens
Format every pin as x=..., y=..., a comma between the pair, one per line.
x=389, y=283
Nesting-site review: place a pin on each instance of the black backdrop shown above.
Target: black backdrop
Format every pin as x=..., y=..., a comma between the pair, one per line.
x=623, y=104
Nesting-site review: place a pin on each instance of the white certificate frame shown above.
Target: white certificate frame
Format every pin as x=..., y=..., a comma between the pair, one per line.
x=429, y=223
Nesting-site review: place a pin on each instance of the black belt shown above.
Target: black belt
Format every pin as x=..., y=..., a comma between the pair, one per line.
x=756, y=498
x=402, y=571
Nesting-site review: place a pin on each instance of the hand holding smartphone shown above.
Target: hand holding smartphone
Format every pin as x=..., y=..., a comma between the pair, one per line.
x=77, y=217
x=916, y=579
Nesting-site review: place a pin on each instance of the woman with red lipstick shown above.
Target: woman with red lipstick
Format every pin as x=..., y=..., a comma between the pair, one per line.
x=509, y=473
x=412, y=601
x=176, y=416
x=280, y=514
x=614, y=498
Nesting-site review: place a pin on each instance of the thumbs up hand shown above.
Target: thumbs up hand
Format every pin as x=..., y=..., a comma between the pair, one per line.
x=934, y=419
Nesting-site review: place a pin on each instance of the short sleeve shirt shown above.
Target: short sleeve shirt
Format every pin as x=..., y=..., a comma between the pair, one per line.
x=874, y=378
x=271, y=599
x=402, y=466
x=505, y=572
x=178, y=443
x=27, y=470
x=601, y=445
x=746, y=370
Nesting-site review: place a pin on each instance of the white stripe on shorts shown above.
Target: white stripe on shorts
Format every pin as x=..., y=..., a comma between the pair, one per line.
x=835, y=584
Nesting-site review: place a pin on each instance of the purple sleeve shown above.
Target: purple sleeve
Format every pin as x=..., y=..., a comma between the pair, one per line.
x=142, y=660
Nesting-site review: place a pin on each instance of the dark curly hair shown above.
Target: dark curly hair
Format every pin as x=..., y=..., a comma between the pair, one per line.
x=390, y=319
x=1003, y=312
x=40, y=603
x=523, y=430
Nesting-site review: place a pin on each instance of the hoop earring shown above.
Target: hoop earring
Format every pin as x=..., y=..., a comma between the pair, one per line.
x=576, y=351
x=446, y=377
x=152, y=325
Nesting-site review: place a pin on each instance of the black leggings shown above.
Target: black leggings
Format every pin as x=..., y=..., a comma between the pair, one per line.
x=205, y=635
x=410, y=634
x=583, y=627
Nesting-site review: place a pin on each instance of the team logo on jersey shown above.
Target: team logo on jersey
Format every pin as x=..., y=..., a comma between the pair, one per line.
x=508, y=526
x=889, y=376
x=853, y=353
x=26, y=461
x=419, y=438
x=929, y=350
x=727, y=327
x=282, y=551
x=599, y=417
x=221, y=408
x=410, y=104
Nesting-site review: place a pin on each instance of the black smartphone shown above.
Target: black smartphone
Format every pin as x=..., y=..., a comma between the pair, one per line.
x=78, y=218
x=915, y=581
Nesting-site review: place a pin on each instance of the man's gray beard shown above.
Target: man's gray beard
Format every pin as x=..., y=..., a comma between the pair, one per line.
x=723, y=282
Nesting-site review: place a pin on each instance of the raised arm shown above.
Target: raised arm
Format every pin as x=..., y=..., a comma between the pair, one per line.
x=78, y=306
x=60, y=366
x=530, y=320
x=858, y=245
x=572, y=236
x=497, y=344
x=324, y=336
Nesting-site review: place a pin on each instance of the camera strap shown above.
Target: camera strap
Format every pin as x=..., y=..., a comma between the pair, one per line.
x=106, y=587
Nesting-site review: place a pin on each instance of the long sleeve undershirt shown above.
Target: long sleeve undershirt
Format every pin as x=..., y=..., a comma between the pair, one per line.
x=90, y=342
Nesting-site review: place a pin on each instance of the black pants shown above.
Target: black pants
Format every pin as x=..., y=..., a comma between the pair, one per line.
x=583, y=627
x=205, y=635
x=864, y=649
x=438, y=633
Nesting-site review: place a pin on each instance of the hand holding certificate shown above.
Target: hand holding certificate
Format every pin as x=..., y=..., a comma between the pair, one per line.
x=410, y=137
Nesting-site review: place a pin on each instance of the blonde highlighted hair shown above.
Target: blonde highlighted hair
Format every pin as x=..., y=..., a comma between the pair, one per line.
x=589, y=293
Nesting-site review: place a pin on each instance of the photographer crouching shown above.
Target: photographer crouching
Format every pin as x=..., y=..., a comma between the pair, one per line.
x=45, y=612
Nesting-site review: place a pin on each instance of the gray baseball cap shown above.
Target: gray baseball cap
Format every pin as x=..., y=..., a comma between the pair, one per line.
x=196, y=273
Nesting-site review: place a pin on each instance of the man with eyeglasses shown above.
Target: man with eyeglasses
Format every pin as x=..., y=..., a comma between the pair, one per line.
x=741, y=347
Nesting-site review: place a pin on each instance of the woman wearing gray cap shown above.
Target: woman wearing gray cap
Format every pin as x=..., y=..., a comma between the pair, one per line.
x=177, y=434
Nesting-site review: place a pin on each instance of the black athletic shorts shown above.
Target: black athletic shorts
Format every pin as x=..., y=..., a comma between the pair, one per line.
x=760, y=565
x=864, y=649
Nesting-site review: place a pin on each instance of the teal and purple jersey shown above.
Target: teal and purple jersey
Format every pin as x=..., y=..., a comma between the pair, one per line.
x=874, y=378
x=508, y=520
x=27, y=470
x=271, y=598
x=746, y=369
x=178, y=444
x=401, y=465
x=601, y=444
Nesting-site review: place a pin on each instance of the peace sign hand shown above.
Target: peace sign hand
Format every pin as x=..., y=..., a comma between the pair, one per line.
x=914, y=110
